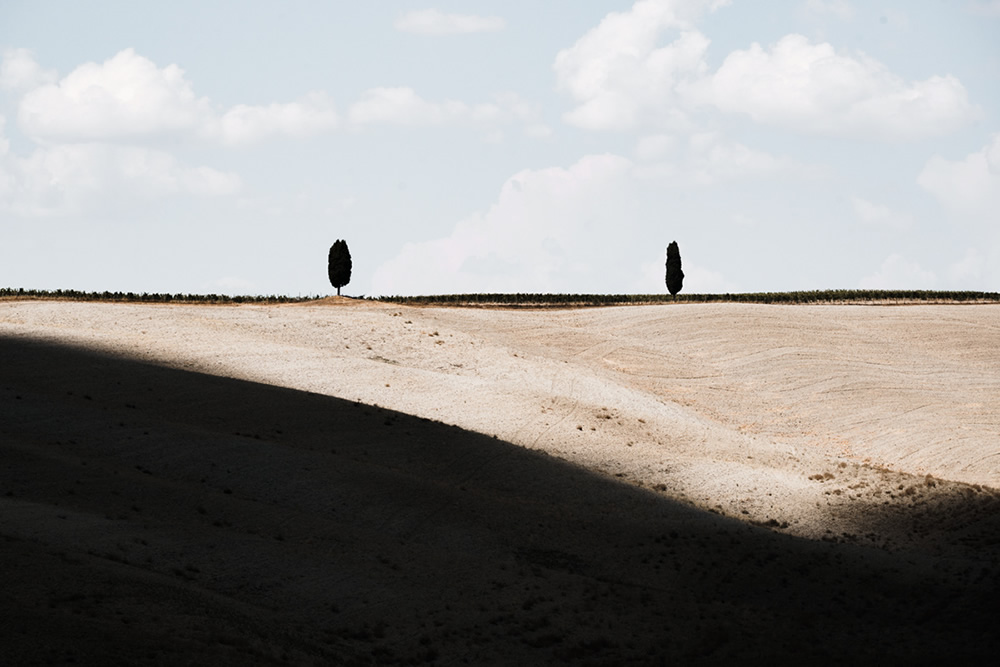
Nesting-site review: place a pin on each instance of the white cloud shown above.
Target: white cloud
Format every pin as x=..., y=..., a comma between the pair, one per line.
x=811, y=88
x=435, y=22
x=621, y=77
x=314, y=114
x=879, y=214
x=970, y=186
x=618, y=74
x=897, y=272
x=19, y=71
x=129, y=98
x=551, y=229
x=969, y=191
x=576, y=229
x=838, y=8
x=78, y=178
x=124, y=97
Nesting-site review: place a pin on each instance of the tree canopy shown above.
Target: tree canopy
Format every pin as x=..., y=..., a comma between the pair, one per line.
x=339, y=264
x=675, y=276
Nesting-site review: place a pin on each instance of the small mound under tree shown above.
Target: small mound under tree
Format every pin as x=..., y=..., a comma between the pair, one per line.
x=675, y=277
x=339, y=264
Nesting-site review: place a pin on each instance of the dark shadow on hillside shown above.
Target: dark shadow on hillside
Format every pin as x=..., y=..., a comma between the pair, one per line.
x=154, y=515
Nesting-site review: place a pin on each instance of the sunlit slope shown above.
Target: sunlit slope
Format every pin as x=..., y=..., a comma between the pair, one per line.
x=915, y=388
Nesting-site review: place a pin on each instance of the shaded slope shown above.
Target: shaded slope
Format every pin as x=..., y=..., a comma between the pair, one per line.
x=158, y=515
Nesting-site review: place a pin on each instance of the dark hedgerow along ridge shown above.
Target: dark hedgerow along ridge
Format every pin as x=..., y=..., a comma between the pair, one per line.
x=540, y=300
x=144, y=297
x=814, y=297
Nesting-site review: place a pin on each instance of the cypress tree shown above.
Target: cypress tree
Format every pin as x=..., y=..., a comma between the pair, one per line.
x=339, y=264
x=675, y=277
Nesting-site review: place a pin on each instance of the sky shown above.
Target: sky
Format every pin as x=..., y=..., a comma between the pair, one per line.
x=486, y=146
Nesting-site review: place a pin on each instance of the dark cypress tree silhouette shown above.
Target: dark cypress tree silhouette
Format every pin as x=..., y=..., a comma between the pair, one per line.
x=675, y=277
x=339, y=264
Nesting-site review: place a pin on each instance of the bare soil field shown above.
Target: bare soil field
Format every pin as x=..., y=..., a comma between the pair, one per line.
x=349, y=482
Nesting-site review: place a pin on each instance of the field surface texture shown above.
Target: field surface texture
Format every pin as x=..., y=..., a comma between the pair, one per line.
x=345, y=482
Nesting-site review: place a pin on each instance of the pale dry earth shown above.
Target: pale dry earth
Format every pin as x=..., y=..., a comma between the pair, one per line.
x=640, y=465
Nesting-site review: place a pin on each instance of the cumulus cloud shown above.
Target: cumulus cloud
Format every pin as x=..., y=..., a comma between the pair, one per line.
x=435, y=22
x=620, y=76
x=82, y=177
x=970, y=186
x=563, y=229
x=969, y=192
x=897, y=272
x=125, y=96
x=549, y=230
x=19, y=71
x=314, y=114
x=128, y=98
x=812, y=88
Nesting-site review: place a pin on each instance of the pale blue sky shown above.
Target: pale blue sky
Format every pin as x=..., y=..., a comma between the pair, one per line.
x=488, y=146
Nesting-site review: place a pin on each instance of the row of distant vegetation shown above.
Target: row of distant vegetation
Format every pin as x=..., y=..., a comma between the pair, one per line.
x=146, y=297
x=540, y=300
x=814, y=296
